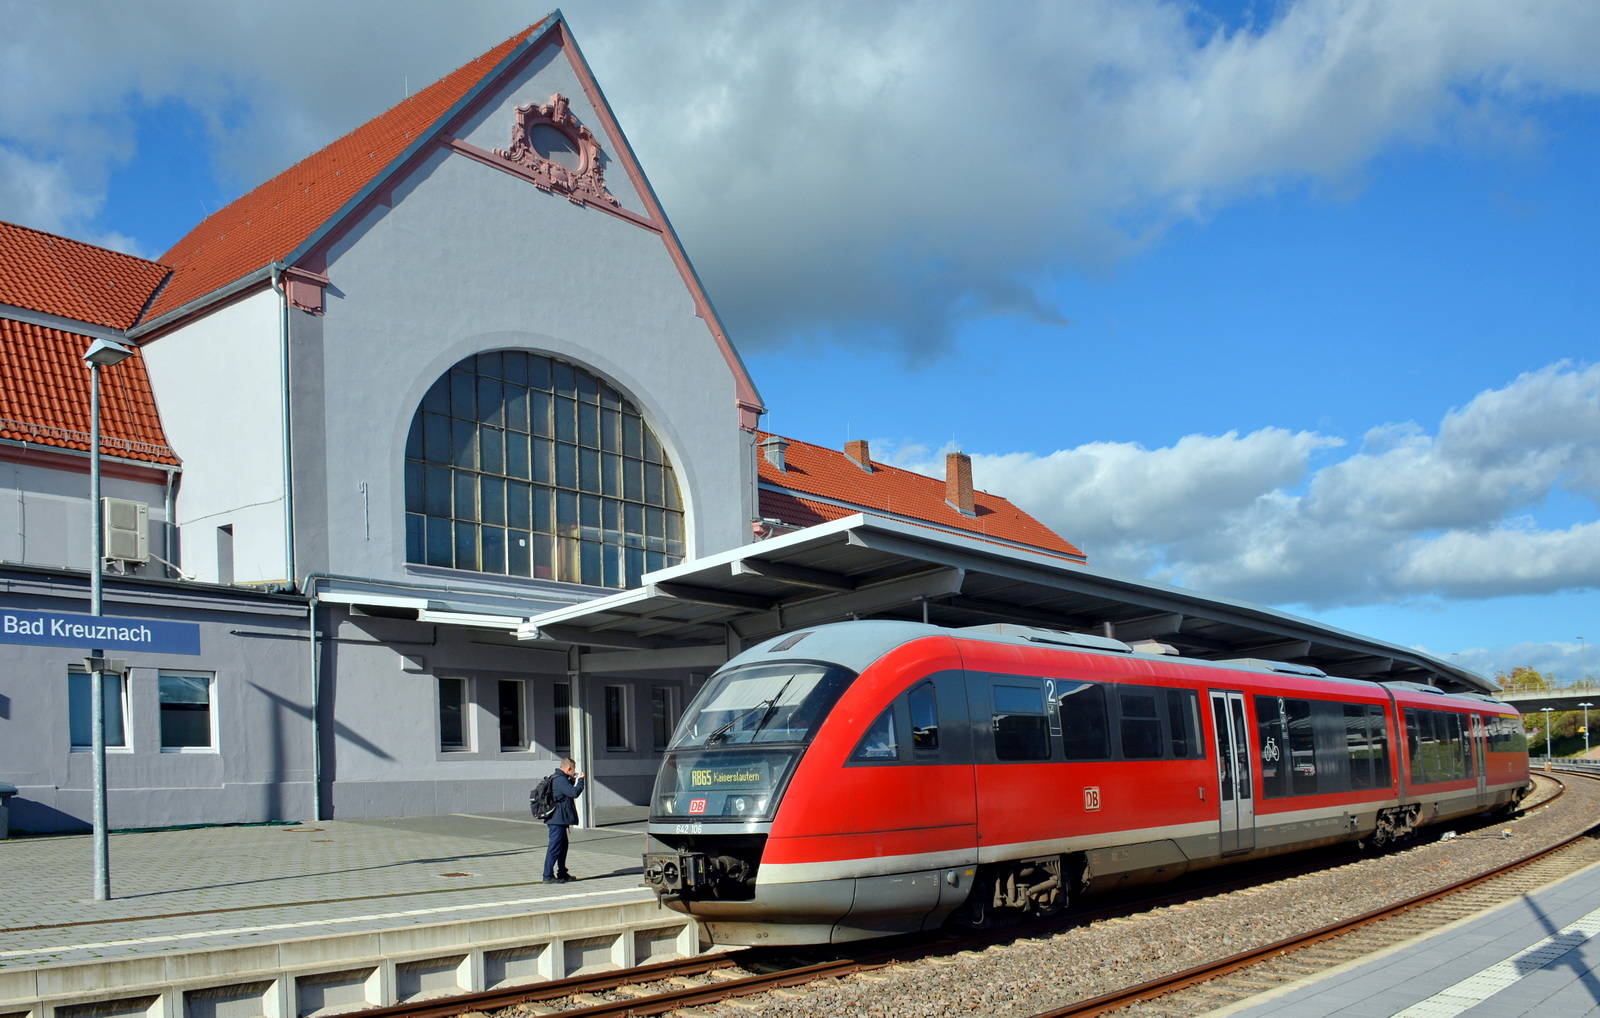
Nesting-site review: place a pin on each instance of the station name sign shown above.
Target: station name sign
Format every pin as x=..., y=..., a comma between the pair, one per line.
x=62, y=629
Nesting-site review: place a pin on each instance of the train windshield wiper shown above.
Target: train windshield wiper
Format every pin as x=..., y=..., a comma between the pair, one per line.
x=766, y=706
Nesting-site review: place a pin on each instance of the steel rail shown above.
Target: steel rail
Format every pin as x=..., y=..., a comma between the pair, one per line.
x=1164, y=985
x=712, y=993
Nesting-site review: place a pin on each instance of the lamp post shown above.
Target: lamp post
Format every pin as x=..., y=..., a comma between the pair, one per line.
x=1547, y=734
x=102, y=353
x=1586, y=707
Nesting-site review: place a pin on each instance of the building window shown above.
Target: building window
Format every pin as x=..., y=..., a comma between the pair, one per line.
x=187, y=720
x=80, y=709
x=452, y=715
x=510, y=712
x=617, y=718
x=523, y=465
x=563, y=716
x=663, y=715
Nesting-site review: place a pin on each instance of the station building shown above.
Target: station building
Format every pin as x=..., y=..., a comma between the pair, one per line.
x=438, y=445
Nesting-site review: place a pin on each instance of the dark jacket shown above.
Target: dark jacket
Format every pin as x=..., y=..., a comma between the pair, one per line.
x=566, y=791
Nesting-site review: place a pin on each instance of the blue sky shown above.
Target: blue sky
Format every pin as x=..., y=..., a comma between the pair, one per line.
x=1292, y=302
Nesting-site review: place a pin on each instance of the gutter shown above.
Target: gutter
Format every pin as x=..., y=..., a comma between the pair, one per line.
x=267, y=273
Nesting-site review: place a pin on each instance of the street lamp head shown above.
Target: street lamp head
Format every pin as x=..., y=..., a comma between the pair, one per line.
x=104, y=353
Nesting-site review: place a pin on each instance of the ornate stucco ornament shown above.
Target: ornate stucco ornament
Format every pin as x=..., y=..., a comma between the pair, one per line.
x=559, y=152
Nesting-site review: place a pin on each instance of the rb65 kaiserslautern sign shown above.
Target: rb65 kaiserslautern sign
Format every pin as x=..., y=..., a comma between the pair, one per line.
x=60, y=629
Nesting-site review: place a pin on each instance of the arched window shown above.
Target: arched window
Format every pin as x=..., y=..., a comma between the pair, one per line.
x=528, y=466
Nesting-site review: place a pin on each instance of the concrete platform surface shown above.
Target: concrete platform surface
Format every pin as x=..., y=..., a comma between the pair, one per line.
x=1534, y=956
x=227, y=887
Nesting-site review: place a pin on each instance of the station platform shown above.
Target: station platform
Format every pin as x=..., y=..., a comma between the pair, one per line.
x=1535, y=956
x=302, y=919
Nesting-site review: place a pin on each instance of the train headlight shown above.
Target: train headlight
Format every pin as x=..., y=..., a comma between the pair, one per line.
x=761, y=804
x=667, y=804
x=740, y=804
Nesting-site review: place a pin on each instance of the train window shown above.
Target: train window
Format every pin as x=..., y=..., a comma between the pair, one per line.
x=924, y=720
x=1019, y=723
x=1139, y=724
x=778, y=702
x=880, y=742
x=1183, y=723
x=1419, y=743
x=1288, y=747
x=1506, y=735
x=1272, y=738
x=1378, y=741
x=1302, y=748
x=1358, y=746
x=1084, y=731
x=1441, y=749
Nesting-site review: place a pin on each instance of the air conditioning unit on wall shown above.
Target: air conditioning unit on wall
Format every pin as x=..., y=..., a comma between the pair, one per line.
x=126, y=526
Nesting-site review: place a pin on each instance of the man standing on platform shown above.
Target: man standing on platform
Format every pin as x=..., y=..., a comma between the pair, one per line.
x=567, y=786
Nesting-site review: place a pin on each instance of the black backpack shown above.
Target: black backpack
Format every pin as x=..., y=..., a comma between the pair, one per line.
x=542, y=800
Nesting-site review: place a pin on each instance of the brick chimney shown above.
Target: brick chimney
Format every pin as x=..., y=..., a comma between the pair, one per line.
x=958, y=483
x=774, y=447
x=857, y=450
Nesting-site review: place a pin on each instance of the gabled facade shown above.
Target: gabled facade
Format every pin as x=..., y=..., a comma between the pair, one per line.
x=451, y=370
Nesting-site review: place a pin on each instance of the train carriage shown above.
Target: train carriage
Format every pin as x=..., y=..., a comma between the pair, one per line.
x=868, y=778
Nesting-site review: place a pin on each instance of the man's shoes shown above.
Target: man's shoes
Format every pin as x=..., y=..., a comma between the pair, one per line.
x=566, y=878
x=552, y=880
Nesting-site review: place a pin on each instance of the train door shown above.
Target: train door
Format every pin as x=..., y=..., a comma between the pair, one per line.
x=1237, y=795
x=1480, y=759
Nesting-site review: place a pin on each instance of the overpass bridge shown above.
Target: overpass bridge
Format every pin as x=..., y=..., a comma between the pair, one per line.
x=1532, y=701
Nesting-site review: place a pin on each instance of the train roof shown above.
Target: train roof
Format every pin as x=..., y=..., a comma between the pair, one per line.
x=856, y=645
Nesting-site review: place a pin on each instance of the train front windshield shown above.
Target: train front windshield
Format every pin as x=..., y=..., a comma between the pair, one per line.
x=740, y=738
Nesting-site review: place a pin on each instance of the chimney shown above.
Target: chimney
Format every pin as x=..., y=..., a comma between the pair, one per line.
x=857, y=450
x=958, y=483
x=774, y=447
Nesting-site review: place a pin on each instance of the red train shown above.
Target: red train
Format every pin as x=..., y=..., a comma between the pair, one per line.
x=869, y=778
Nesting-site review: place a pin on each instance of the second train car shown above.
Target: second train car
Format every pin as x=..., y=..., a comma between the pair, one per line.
x=868, y=778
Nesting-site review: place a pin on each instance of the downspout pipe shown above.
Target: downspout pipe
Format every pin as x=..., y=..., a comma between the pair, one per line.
x=176, y=565
x=288, y=449
x=313, y=585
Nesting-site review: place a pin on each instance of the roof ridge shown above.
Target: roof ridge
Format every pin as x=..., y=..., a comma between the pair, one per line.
x=312, y=192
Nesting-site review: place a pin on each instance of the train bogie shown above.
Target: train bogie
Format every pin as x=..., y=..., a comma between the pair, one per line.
x=872, y=778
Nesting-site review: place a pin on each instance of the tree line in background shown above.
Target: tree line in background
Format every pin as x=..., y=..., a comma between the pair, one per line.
x=1566, y=726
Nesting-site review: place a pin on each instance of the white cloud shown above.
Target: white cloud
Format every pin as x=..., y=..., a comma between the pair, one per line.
x=1565, y=662
x=902, y=165
x=1411, y=515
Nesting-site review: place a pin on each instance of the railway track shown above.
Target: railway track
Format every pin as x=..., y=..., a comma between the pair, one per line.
x=925, y=974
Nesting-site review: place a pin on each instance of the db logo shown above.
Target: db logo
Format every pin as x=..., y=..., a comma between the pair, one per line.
x=1091, y=798
x=697, y=805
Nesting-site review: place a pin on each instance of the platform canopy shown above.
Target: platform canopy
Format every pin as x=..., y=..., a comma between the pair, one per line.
x=863, y=566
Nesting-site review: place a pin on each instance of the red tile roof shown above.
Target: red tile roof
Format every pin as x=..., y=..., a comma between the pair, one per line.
x=71, y=279
x=273, y=220
x=44, y=396
x=829, y=474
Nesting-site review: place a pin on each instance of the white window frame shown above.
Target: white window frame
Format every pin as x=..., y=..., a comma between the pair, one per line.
x=526, y=742
x=469, y=732
x=625, y=703
x=674, y=713
x=127, y=730
x=210, y=679
x=559, y=713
